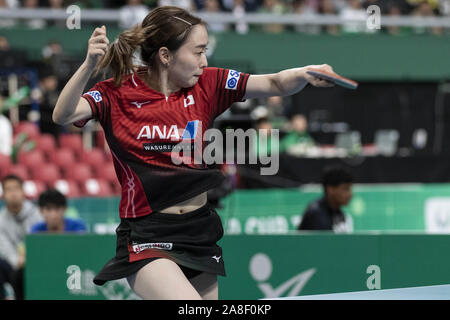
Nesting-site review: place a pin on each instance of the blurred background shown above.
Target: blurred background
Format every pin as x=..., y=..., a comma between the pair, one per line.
x=391, y=133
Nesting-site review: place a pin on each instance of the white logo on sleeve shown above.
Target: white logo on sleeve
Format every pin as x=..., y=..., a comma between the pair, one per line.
x=232, y=80
x=189, y=101
x=95, y=95
x=139, y=104
x=217, y=258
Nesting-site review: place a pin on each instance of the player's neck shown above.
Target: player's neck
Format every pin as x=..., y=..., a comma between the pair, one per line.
x=15, y=208
x=159, y=81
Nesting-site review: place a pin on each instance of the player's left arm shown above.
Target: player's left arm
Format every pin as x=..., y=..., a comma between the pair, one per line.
x=284, y=83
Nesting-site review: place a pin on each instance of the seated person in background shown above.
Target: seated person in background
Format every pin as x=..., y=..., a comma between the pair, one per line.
x=53, y=205
x=6, y=282
x=16, y=218
x=298, y=140
x=325, y=213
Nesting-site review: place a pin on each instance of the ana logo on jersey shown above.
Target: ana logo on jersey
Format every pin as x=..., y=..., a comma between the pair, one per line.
x=95, y=95
x=170, y=132
x=189, y=101
x=232, y=80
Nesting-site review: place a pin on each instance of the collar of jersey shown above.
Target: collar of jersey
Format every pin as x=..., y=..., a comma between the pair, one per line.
x=152, y=93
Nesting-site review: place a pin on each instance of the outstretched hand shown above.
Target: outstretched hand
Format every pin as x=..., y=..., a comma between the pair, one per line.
x=98, y=45
x=315, y=81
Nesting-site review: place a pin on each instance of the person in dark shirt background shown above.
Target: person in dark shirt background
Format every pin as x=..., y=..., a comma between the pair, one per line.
x=325, y=213
x=53, y=205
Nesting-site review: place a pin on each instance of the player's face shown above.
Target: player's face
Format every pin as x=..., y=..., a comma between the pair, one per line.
x=54, y=216
x=343, y=193
x=13, y=193
x=190, y=59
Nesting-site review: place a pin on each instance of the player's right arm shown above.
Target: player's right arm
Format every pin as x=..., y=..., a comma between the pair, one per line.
x=71, y=106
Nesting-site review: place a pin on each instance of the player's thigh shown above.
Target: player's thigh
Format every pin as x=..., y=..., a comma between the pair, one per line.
x=206, y=285
x=162, y=279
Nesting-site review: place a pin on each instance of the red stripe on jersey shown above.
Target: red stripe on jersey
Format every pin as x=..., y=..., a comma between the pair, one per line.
x=133, y=194
x=221, y=92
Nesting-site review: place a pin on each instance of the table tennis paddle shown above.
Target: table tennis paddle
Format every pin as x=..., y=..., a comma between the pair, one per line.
x=333, y=77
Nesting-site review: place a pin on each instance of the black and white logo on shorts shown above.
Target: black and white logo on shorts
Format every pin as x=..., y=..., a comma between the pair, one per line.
x=152, y=245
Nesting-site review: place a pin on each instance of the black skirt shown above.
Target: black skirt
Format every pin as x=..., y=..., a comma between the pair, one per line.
x=189, y=239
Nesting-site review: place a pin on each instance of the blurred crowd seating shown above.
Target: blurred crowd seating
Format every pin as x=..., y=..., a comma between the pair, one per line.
x=281, y=6
x=139, y=8
x=61, y=163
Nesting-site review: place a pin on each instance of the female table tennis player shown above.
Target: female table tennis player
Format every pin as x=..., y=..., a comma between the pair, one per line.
x=166, y=240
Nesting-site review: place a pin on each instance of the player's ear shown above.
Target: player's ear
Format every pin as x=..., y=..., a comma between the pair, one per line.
x=164, y=56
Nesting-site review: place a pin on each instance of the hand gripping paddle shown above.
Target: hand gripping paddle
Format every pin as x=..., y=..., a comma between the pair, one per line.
x=333, y=77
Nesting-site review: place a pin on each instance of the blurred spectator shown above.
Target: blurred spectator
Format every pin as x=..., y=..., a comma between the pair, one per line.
x=259, y=112
x=425, y=9
x=393, y=10
x=298, y=140
x=12, y=3
x=405, y=7
x=33, y=23
x=53, y=205
x=326, y=213
x=414, y=3
x=356, y=16
x=49, y=95
x=262, y=144
x=379, y=3
x=57, y=5
x=275, y=106
x=199, y=4
x=56, y=62
x=132, y=13
x=239, y=12
x=339, y=4
x=305, y=10
x=248, y=5
x=444, y=7
x=328, y=7
x=5, y=280
x=4, y=44
x=8, y=4
x=52, y=50
x=11, y=58
x=6, y=132
x=16, y=219
x=213, y=6
x=185, y=4
x=276, y=7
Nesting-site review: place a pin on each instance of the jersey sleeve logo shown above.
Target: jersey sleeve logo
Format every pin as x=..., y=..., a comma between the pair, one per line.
x=232, y=80
x=189, y=101
x=95, y=95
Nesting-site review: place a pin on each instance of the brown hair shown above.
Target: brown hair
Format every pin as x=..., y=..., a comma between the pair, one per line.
x=12, y=177
x=165, y=26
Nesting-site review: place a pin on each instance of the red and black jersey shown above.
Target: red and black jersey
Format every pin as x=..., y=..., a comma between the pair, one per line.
x=143, y=127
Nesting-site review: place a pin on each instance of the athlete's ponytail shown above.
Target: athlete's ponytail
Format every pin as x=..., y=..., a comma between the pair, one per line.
x=119, y=56
x=165, y=26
